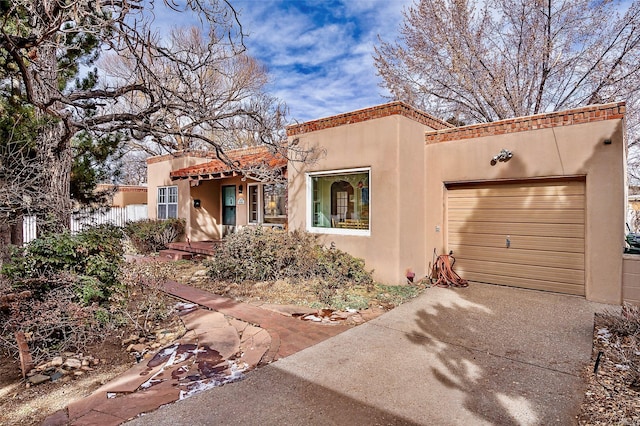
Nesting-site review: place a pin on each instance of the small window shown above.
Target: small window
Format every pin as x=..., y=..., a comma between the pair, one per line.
x=254, y=204
x=267, y=203
x=275, y=201
x=167, y=202
x=339, y=202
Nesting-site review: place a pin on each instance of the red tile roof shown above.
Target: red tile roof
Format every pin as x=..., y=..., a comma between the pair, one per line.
x=243, y=159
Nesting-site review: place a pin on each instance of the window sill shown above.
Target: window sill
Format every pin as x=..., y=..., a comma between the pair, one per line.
x=341, y=231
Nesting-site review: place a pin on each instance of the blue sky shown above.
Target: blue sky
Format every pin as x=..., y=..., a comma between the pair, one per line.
x=319, y=53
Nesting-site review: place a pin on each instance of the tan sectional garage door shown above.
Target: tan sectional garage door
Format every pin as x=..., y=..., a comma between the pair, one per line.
x=528, y=234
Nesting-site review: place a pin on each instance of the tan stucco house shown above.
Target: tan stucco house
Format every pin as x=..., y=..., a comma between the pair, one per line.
x=535, y=202
x=215, y=198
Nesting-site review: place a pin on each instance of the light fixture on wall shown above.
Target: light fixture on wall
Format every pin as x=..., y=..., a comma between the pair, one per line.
x=504, y=155
x=240, y=189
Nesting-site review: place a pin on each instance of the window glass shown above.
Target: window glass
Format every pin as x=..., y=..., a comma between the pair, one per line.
x=340, y=200
x=167, y=202
x=274, y=199
x=253, y=204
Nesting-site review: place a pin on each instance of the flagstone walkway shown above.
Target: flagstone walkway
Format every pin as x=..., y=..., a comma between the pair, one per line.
x=225, y=338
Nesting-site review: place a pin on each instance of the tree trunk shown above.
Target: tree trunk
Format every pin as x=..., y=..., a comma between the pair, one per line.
x=54, y=148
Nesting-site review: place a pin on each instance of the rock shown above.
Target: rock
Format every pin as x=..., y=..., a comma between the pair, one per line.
x=56, y=362
x=85, y=368
x=72, y=363
x=312, y=318
x=37, y=379
x=340, y=315
x=132, y=338
x=78, y=373
x=55, y=376
x=142, y=340
x=41, y=367
x=139, y=347
x=85, y=362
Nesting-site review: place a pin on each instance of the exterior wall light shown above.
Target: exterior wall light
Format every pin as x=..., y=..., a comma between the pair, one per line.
x=504, y=155
x=240, y=189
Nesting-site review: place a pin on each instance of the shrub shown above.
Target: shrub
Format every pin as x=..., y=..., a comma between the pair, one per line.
x=94, y=256
x=150, y=236
x=264, y=254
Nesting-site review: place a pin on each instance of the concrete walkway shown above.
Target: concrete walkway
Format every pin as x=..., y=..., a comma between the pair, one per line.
x=480, y=355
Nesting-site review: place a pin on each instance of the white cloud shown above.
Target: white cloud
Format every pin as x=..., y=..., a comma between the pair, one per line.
x=319, y=53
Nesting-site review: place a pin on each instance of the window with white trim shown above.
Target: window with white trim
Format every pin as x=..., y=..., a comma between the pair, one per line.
x=339, y=201
x=267, y=203
x=167, y=202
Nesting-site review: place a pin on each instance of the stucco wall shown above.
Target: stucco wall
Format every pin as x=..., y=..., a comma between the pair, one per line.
x=570, y=150
x=158, y=170
x=631, y=278
x=128, y=196
x=393, y=148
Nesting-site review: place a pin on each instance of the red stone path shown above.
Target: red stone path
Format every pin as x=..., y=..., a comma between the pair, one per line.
x=288, y=336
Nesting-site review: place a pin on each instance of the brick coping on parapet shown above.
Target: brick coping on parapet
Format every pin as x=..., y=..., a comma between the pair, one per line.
x=358, y=116
x=588, y=114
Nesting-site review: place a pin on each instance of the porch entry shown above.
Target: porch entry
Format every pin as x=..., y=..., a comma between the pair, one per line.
x=229, y=205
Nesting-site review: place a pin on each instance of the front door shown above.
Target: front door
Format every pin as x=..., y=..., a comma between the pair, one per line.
x=229, y=205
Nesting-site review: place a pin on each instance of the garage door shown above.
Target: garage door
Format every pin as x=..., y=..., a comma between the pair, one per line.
x=527, y=234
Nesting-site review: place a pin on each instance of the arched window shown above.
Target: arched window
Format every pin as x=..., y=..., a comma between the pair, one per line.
x=341, y=200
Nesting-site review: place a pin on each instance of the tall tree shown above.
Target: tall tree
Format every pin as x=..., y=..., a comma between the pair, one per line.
x=511, y=58
x=47, y=51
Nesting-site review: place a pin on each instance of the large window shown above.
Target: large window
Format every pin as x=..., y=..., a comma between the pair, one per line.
x=167, y=202
x=340, y=201
x=268, y=203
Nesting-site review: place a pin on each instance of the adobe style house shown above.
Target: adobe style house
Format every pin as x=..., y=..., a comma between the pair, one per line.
x=213, y=197
x=535, y=202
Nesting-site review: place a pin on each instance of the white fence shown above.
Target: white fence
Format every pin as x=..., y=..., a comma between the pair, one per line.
x=118, y=216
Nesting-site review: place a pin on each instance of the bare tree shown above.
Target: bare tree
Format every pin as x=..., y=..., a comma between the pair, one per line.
x=180, y=91
x=512, y=57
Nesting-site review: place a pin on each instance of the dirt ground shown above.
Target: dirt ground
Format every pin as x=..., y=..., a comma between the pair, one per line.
x=613, y=390
x=22, y=405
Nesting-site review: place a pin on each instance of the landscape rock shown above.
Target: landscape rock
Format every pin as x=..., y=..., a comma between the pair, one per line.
x=38, y=378
x=56, y=362
x=72, y=363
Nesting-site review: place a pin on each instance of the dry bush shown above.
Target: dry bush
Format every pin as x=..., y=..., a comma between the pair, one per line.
x=140, y=302
x=263, y=254
x=621, y=335
x=53, y=323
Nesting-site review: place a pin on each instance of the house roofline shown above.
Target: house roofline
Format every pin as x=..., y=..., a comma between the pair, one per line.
x=587, y=114
x=205, y=154
x=365, y=114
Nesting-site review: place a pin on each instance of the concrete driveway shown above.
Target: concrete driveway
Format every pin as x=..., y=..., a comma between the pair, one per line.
x=480, y=355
